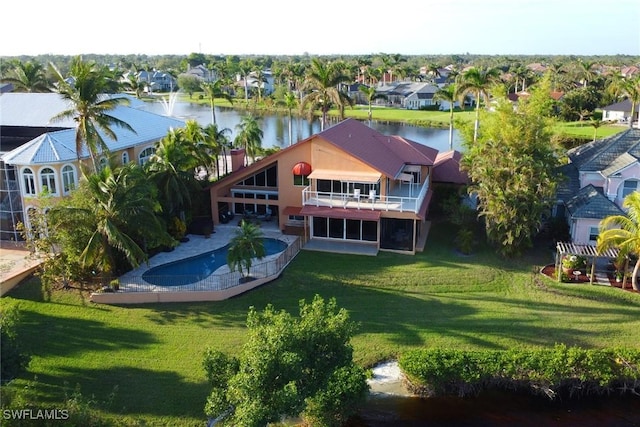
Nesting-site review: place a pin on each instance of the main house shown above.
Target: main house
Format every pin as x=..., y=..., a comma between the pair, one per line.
x=39, y=154
x=348, y=185
x=599, y=175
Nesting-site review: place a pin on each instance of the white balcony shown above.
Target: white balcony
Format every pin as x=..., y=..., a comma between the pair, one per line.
x=372, y=201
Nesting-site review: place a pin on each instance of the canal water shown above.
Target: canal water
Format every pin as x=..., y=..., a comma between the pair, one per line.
x=276, y=127
x=390, y=404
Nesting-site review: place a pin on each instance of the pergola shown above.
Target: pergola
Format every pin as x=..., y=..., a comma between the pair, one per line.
x=588, y=251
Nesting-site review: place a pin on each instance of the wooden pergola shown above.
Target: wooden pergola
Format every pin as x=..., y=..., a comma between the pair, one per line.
x=588, y=251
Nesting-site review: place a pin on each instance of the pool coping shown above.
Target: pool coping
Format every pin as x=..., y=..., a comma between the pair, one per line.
x=197, y=245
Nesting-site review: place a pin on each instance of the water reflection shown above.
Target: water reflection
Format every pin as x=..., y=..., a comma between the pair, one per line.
x=276, y=127
x=499, y=409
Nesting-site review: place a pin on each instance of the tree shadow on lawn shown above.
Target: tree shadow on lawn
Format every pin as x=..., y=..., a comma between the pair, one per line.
x=50, y=335
x=136, y=391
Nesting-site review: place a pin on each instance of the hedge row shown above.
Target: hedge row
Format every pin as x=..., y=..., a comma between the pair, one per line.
x=562, y=370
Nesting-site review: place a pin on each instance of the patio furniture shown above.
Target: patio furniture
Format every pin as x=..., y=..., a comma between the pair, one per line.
x=356, y=194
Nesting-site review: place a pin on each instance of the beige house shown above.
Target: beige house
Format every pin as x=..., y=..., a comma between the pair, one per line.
x=39, y=154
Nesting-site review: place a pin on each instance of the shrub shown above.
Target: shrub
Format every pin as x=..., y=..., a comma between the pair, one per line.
x=564, y=370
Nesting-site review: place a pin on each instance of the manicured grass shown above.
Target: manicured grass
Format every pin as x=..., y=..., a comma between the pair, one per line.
x=153, y=353
x=585, y=130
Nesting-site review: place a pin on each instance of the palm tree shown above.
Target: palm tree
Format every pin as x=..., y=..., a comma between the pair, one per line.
x=28, y=77
x=171, y=169
x=215, y=143
x=478, y=81
x=371, y=95
x=214, y=90
x=585, y=72
x=90, y=106
x=245, y=68
x=134, y=84
x=622, y=232
x=596, y=124
x=260, y=79
x=289, y=101
x=322, y=88
x=450, y=95
x=249, y=136
x=120, y=209
x=627, y=87
x=247, y=244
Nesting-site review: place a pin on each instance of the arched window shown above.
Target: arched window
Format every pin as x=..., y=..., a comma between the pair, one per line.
x=29, y=181
x=103, y=163
x=629, y=186
x=145, y=154
x=125, y=157
x=68, y=179
x=48, y=180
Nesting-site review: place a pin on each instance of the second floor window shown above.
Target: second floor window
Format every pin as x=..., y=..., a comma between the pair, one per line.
x=48, y=180
x=29, y=182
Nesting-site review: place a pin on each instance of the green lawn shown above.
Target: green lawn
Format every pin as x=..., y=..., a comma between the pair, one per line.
x=153, y=353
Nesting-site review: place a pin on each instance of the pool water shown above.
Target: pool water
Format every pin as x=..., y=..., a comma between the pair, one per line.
x=194, y=269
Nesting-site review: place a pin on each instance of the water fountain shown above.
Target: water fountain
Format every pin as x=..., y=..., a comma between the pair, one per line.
x=168, y=104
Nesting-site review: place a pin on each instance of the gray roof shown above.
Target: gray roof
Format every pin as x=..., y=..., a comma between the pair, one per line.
x=607, y=153
x=59, y=146
x=37, y=109
x=570, y=185
x=589, y=203
x=624, y=106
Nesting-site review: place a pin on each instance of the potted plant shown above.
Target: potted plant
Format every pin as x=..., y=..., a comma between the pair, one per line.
x=619, y=276
x=573, y=262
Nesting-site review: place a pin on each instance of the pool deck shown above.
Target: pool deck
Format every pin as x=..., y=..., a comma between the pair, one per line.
x=197, y=245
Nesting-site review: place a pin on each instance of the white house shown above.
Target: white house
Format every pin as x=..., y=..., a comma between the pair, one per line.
x=620, y=112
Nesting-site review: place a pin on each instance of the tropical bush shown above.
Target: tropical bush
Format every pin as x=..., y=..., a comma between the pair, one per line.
x=562, y=370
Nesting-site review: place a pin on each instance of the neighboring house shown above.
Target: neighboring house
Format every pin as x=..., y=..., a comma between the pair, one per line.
x=155, y=81
x=347, y=185
x=410, y=95
x=202, y=73
x=38, y=154
x=267, y=86
x=620, y=112
x=598, y=178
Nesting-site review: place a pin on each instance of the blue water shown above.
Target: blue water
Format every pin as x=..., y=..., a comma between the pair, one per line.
x=197, y=268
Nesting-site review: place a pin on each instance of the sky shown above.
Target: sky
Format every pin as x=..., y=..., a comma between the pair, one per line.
x=321, y=27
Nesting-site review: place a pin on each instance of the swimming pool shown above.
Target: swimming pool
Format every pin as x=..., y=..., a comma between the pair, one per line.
x=194, y=269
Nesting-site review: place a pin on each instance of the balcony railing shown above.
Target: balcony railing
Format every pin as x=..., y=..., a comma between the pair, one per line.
x=364, y=201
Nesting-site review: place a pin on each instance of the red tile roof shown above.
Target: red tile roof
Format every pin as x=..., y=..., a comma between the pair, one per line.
x=447, y=168
x=385, y=153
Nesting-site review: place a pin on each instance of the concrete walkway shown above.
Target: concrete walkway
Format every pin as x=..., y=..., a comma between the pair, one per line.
x=16, y=264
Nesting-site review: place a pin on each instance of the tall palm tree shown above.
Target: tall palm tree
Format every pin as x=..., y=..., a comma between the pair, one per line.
x=290, y=102
x=90, y=106
x=249, y=136
x=214, y=90
x=371, y=95
x=629, y=88
x=245, y=68
x=450, y=95
x=477, y=81
x=120, y=209
x=321, y=86
x=216, y=142
x=171, y=168
x=28, y=77
x=622, y=232
x=247, y=244
x=585, y=72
